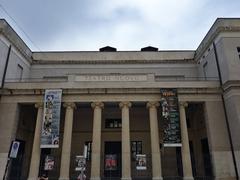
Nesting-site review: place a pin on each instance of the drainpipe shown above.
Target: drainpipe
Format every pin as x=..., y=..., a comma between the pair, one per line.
x=6, y=66
x=2, y=86
x=225, y=111
x=5, y=70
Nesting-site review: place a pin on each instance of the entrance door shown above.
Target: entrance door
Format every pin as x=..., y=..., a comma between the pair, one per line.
x=112, y=159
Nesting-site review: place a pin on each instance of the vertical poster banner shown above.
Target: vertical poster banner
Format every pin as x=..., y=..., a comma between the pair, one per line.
x=51, y=119
x=170, y=117
x=141, y=162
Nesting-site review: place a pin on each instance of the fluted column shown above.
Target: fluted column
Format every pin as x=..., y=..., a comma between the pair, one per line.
x=186, y=158
x=126, y=159
x=96, y=140
x=156, y=156
x=36, y=151
x=67, y=139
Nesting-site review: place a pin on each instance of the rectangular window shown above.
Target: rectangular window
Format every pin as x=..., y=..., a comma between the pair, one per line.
x=19, y=72
x=136, y=148
x=238, y=49
x=205, y=70
x=113, y=123
x=89, y=150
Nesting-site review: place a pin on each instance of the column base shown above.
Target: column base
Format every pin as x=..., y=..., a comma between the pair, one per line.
x=157, y=178
x=61, y=178
x=126, y=178
x=225, y=178
x=95, y=178
x=188, y=178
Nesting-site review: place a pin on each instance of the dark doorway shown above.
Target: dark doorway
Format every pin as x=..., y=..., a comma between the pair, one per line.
x=206, y=157
x=17, y=163
x=112, y=160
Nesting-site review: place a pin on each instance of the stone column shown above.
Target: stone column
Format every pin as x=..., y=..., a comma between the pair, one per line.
x=96, y=140
x=186, y=158
x=126, y=159
x=36, y=151
x=156, y=155
x=67, y=139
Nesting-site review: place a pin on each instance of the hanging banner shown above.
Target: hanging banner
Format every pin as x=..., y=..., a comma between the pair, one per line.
x=141, y=162
x=170, y=117
x=110, y=162
x=49, y=163
x=51, y=119
x=80, y=163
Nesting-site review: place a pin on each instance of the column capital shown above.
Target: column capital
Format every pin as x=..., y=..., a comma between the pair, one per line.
x=69, y=105
x=97, y=104
x=125, y=104
x=38, y=105
x=183, y=104
x=153, y=104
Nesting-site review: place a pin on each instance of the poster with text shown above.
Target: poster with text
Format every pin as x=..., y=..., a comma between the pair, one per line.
x=14, y=149
x=80, y=163
x=141, y=162
x=51, y=119
x=170, y=117
x=49, y=163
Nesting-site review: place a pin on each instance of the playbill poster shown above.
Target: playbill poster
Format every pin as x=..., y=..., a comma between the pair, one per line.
x=49, y=163
x=80, y=163
x=141, y=162
x=51, y=119
x=170, y=117
x=110, y=162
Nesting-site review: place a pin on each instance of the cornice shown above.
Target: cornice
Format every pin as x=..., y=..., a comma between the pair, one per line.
x=99, y=91
x=229, y=85
x=42, y=62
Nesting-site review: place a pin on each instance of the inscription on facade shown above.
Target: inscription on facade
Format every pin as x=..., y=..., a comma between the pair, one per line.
x=111, y=78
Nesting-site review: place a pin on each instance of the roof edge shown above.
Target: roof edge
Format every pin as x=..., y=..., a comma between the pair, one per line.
x=219, y=25
x=8, y=32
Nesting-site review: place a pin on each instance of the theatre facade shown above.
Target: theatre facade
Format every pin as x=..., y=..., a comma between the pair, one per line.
x=111, y=114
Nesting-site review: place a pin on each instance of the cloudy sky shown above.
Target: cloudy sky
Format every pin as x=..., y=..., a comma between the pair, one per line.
x=80, y=25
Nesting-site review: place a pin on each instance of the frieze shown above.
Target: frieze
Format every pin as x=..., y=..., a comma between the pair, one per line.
x=111, y=78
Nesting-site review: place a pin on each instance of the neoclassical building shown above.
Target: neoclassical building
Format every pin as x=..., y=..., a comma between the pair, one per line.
x=112, y=109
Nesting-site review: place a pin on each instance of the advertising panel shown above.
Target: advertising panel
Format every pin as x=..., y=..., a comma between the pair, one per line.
x=80, y=163
x=49, y=163
x=110, y=162
x=141, y=162
x=14, y=149
x=170, y=117
x=51, y=119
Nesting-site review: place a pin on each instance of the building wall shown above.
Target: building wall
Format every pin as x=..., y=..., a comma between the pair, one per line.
x=223, y=166
x=15, y=60
x=8, y=127
x=232, y=99
x=165, y=70
x=229, y=61
x=207, y=67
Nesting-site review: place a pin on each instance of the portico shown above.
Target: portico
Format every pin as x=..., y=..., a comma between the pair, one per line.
x=98, y=128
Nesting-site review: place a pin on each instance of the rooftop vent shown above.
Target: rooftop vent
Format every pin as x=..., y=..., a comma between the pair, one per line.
x=149, y=48
x=108, y=49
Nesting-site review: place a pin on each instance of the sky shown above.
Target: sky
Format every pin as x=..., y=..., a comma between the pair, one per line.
x=128, y=25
